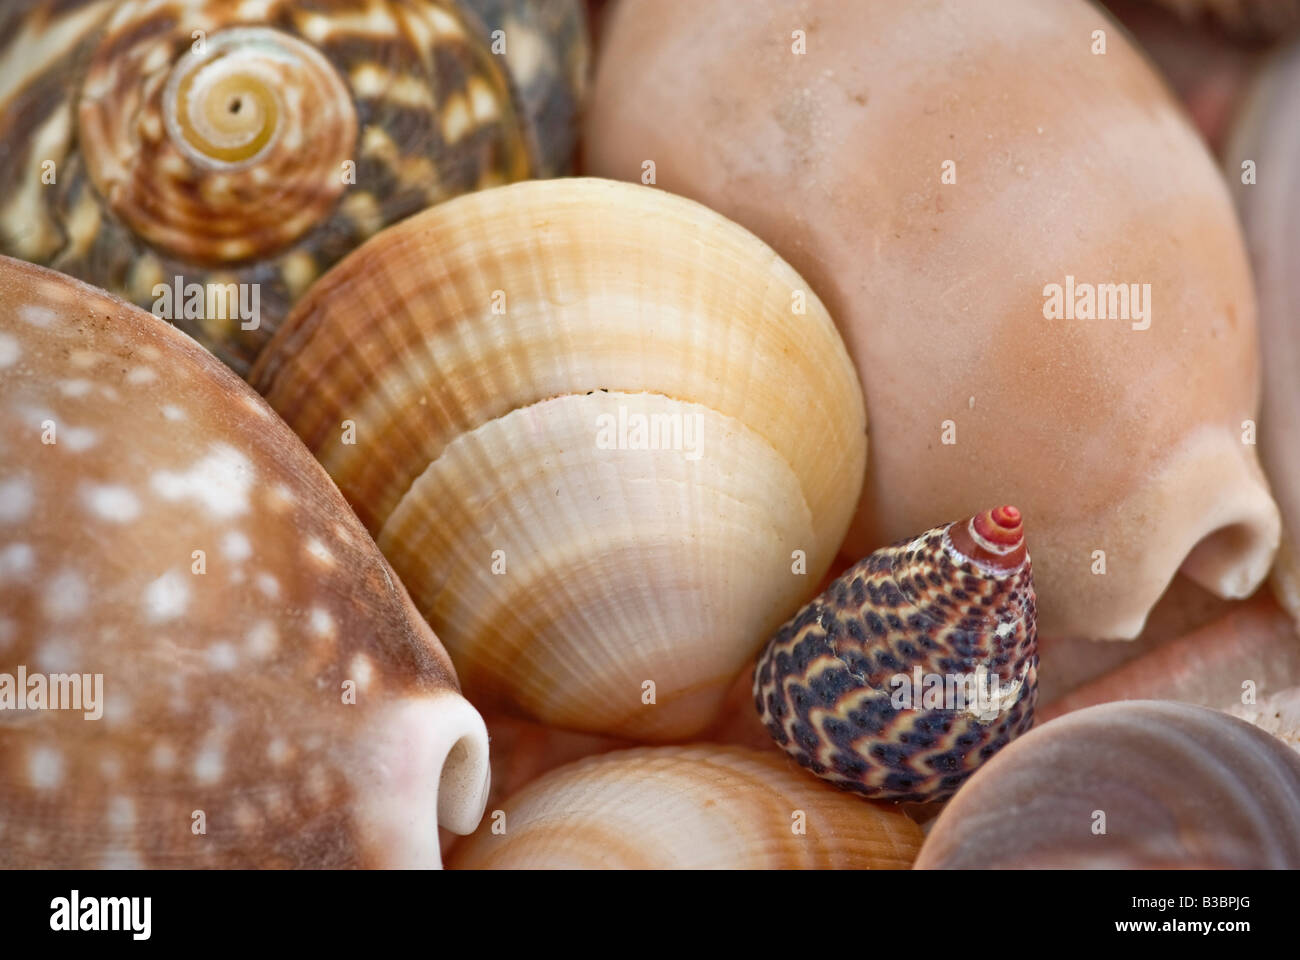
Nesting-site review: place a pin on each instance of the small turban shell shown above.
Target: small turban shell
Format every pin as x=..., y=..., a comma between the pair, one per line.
x=914, y=667
x=1133, y=784
x=267, y=695
x=696, y=807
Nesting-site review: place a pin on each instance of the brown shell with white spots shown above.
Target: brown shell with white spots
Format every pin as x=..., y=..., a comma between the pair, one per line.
x=161, y=527
x=256, y=144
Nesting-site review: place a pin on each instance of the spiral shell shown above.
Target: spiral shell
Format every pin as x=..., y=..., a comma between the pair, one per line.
x=914, y=667
x=507, y=361
x=1135, y=784
x=697, y=807
x=158, y=144
x=161, y=529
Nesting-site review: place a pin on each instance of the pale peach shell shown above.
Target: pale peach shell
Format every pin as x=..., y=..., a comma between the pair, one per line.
x=467, y=376
x=1265, y=150
x=162, y=527
x=1065, y=164
x=1136, y=784
x=697, y=807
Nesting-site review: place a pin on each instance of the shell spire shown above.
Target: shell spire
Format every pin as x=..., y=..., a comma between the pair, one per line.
x=914, y=667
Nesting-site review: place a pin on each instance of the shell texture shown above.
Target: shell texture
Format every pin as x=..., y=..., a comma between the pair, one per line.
x=914, y=667
x=1267, y=138
x=937, y=195
x=696, y=807
x=156, y=144
x=594, y=434
x=1137, y=784
x=176, y=565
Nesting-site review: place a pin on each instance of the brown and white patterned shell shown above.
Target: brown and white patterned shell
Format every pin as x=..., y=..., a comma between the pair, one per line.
x=257, y=143
x=854, y=686
x=161, y=527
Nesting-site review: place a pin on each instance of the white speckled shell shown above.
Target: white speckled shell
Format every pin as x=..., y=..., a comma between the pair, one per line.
x=698, y=807
x=161, y=526
x=480, y=349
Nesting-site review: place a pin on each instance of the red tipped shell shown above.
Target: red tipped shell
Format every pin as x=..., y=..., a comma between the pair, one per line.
x=995, y=539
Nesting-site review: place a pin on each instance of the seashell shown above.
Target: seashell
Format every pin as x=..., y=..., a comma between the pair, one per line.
x=162, y=530
x=1138, y=784
x=190, y=153
x=1253, y=649
x=496, y=356
x=1265, y=138
x=696, y=807
x=914, y=667
x=1125, y=445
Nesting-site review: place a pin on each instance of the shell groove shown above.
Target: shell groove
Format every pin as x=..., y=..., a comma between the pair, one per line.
x=914, y=667
x=698, y=807
x=496, y=355
x=1134, y=784
x=161, y=529
x=255, y=144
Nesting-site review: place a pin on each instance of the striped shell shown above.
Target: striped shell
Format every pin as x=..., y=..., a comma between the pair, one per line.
x=160, y=527
x=848, y=687
x=256, y=144
x=698, y=807
x=1135, y=784
x=564, y=409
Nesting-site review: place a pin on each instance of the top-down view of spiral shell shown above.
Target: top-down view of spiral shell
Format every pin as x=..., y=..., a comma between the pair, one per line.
x=651, y=435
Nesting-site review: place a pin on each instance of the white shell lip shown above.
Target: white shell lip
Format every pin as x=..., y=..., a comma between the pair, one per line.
x=422, y=755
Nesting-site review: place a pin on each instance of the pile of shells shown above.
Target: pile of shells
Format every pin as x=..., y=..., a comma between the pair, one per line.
x=411, y=418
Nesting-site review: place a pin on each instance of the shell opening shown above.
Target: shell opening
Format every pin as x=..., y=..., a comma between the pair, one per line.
x=419, y=756
x=1232, y=560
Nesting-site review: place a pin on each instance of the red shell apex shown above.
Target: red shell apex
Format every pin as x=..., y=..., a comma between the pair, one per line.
x=994, y=538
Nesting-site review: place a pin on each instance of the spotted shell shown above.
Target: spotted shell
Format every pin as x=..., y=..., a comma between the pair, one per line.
x=695, y=807
x=151, y=145
x=267, y=694
x=564, y=409
x=1134, y=784
x=914, y=667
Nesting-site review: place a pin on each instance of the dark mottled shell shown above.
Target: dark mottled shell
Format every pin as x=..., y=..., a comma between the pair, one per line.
x=410, y=91
x=1178, y=786
x=823, y=685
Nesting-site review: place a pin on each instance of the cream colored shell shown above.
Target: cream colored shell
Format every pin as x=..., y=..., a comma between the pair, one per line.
x=160, y=527
x=466, y=378
x=698, y=807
